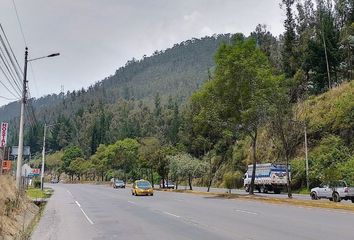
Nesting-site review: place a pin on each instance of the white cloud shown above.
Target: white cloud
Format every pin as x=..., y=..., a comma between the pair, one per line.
x=206, y=31
x=194, y=16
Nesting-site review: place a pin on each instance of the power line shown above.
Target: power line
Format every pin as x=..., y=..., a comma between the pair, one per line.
x=25, y=42
x=9, y=63
x=10, y=99
x=19, y=22
x=8, y=89
x=10, y=72
x=10, y=57
x=8, y=43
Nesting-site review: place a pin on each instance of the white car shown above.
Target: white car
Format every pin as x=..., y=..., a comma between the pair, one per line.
x=335, y=191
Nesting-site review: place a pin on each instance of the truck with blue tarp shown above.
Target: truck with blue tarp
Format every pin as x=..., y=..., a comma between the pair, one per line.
x=269, y=177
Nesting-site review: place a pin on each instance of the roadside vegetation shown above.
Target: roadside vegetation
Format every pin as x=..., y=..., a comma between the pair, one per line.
x=36, y=193
x=252, y=108
x=16, y=211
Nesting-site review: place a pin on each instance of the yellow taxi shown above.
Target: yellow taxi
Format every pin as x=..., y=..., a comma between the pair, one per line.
x=142, y=187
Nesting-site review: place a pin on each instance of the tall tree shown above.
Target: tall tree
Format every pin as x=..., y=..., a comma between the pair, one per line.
x=289, y=58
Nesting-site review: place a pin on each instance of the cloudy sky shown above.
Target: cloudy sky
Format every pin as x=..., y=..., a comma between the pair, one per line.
x=95, y=37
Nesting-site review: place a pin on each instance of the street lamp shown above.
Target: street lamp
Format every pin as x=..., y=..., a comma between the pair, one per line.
x=23, y=102
x=43, y=153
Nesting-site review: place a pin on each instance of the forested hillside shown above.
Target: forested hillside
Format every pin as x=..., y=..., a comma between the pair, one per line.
x=175, y=72
x=259, y=93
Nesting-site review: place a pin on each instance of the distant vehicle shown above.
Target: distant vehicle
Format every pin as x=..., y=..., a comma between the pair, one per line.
x=269, y=177
x=142, y=187
x=118, y=184
x=334, y=191
x=54, y=180
x=168, y=184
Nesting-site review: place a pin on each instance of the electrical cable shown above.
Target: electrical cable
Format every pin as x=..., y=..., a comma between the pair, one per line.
x=18, y=90
x=15, y=71
x=19, y=22
x=8, y=89
x=13, y=55
x=10, y=99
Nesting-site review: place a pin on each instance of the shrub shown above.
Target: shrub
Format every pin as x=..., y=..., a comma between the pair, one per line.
x=36, y=183
x=233, y=180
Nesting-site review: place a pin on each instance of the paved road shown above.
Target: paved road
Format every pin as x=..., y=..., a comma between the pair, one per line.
x=99, y=212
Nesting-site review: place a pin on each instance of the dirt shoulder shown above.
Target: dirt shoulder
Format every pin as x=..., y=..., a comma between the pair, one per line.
x=16, y=211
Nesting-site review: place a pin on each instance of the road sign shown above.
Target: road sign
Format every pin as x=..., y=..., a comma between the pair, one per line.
x=36, y=172
x=3, y=135
x=26, y=150
x=6, y=166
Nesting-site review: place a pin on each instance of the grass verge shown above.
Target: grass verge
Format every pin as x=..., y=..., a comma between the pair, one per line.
x=35, y=193
x=295, y=202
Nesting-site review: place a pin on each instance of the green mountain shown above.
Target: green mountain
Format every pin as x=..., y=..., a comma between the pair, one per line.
x=170, y=75
x=176, y=72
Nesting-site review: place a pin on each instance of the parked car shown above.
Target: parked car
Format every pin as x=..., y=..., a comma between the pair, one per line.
x=334, y=191
x=142, y=187
x=118, y=184
x=168, y=184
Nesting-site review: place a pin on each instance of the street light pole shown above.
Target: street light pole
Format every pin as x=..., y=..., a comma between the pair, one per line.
x=23, y=102
x=306, y=158
x=303, y=124
x=43, y=156
x=20, y=136
x=43, y=153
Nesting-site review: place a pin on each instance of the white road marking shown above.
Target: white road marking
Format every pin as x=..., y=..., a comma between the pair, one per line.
x=131, y=202
x=244, y=211
x=70, y=193
x=180, y=200
x=78, y=204
x=88, y=219
x=171, y=214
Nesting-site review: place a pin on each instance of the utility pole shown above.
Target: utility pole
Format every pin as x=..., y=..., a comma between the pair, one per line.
x=43, y=155
x=20, y=137
x=306, y=158
x=23, y=102
x=325, y=51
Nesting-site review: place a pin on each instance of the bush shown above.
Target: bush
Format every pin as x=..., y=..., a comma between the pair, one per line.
x=36, y=183
x=326, y=159
x=233, y=180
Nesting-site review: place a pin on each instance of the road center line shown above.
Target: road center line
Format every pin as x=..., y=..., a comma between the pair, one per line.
x=88, y=219
x=77, y=203
x=171, y=214
x=70, y=193
x=244, y=211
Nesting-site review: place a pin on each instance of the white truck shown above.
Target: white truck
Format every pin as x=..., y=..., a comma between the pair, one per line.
x=334, y=191
x=269, y=177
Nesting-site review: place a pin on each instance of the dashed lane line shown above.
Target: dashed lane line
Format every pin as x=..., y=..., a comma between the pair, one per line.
x=171, y=214
x=245, y=211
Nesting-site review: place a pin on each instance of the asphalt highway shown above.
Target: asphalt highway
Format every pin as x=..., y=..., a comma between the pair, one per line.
x=78, y=211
